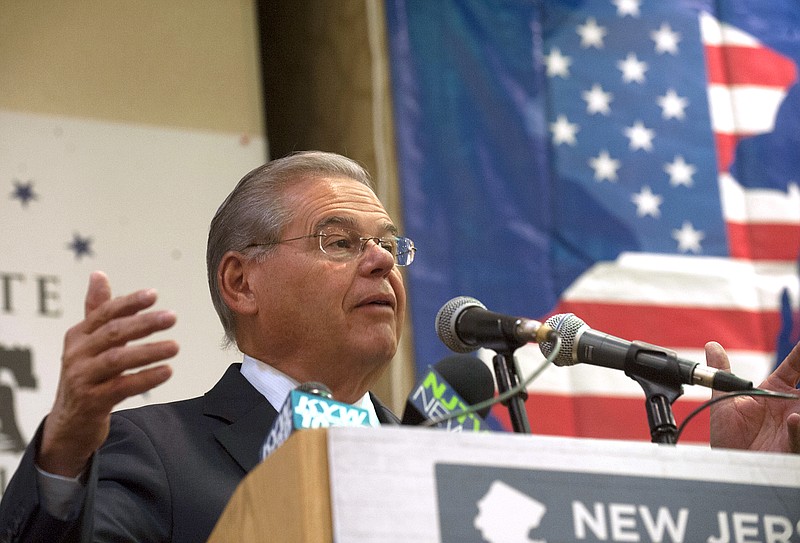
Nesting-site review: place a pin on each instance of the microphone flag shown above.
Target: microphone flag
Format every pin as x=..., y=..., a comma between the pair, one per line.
x=434, y=398
x=303, y=410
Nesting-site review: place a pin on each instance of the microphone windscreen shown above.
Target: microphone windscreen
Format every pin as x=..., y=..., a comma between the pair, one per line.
x=411, y=415
x=447, y=322
x=470, y=377
x=567, y=325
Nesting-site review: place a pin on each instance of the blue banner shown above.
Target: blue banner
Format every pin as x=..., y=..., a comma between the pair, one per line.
x=632, y=162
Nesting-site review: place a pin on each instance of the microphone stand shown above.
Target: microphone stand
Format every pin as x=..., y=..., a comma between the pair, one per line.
x=506, y=372
x=662, y=386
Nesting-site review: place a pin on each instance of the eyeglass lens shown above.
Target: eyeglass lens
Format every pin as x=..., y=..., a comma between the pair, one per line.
x=344, y=244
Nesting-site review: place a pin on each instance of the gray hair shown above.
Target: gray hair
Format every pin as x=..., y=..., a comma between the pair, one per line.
x=256, y=212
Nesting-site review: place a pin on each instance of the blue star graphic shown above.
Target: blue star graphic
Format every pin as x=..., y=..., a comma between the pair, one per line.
x=23, y=192
x=81, y=246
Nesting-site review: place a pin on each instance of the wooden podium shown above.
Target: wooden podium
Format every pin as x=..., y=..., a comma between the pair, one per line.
x=285, y=498
x=397, y=484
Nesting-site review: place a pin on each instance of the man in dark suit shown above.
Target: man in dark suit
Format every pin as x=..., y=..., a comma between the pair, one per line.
x=303, y=270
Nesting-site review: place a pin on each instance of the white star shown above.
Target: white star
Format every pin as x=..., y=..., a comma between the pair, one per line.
x=680, y=173
x=688, y=238
x=591, y=34
x=632, y=69
x=627, y=7
x=604, y=166
x=564, y=131
x=557, y=64
x=597, y=100
x=666, y=39
x=640, y=136
x=672, y=105
x=647, y=203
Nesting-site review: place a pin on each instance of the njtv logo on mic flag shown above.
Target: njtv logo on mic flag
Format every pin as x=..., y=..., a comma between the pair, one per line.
x=632, y=162
x=434, y=398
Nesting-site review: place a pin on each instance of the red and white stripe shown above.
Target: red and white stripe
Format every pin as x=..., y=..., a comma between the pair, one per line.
x=747, y=82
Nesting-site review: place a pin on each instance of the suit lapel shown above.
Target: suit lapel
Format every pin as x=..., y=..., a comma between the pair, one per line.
x=385, y=416
x=248, y=414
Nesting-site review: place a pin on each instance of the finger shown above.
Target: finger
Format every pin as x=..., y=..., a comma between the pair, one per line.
x=788, y=372
x=98, y=292
x=120, y=331
x=132, y=384
x=80, y=350
x=82, y=414
x=793, y=427
x=118, y=361
x=122, y=306
x=717, y=358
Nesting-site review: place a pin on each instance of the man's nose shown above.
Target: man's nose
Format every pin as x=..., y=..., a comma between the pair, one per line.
x=376, y=258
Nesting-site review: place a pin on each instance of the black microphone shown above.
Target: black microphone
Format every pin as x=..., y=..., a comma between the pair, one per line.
x=579, y=343
x=464, y=324
x=451, y=385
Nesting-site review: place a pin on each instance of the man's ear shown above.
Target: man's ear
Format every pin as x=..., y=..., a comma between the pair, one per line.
x=234, y=283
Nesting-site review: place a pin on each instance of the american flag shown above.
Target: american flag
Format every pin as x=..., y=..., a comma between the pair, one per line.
x=642, y=175
x=641, y=134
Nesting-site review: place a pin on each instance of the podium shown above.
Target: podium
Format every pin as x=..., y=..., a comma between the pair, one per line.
x=399, y=484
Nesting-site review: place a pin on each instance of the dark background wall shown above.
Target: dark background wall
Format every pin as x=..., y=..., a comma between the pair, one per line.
x=326, y=86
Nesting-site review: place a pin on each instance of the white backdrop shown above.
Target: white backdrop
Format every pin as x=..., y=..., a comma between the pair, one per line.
x=140, y=198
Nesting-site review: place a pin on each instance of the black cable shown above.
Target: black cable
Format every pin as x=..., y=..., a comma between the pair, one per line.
x=712, y=401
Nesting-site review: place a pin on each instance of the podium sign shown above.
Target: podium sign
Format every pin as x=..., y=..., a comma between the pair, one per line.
x=396, y=484
x=501, y=504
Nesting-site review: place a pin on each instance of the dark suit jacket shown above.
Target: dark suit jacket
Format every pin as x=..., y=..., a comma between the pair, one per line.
x=165, y=472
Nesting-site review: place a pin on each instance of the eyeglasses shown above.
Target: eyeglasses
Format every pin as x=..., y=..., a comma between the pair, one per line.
x=344, y=244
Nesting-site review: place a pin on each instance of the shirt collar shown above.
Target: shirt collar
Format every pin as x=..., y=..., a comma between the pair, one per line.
x=275, y=386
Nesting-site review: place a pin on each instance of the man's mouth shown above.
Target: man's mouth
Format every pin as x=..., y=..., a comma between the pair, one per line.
x=378, y=301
